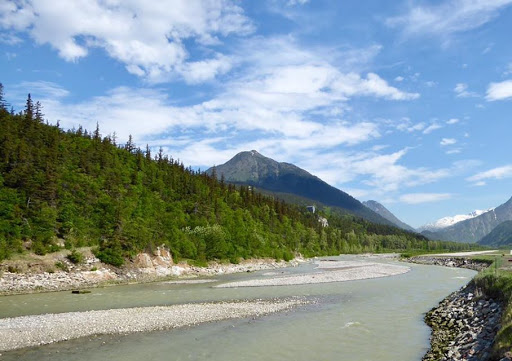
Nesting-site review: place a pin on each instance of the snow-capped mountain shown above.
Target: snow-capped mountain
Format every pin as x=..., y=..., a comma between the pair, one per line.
x=450, y=221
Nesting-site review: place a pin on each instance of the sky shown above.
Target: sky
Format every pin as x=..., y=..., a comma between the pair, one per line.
x=405, y=102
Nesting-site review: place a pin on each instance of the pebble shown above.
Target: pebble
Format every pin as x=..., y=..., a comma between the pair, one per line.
x=27, y=331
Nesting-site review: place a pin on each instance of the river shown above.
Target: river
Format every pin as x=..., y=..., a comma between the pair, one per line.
x=366, y=320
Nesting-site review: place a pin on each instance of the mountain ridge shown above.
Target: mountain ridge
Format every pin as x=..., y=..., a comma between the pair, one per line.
x=474, y=229
x=254, y=169
x=384, y=212
x=451, y=220
x=500, y=236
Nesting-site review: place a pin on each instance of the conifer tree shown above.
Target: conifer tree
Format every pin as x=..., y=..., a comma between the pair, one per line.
x=96, y=135
x=38, y=112
x=148, y=152
x=29, y=108
x=130, y=146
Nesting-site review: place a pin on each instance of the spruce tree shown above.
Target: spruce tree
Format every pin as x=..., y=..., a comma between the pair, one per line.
x=29, y=108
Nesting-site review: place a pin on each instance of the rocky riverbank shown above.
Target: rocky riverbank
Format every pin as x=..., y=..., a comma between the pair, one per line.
x=459, y=262
x=41, y=275
x=464, y=326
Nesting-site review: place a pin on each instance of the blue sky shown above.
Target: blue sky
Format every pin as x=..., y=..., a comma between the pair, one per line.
x=404, y=102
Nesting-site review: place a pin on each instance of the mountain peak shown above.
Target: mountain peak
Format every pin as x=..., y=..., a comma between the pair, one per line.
x=253, y=168
x=384, y=212
x=449, y=221
x=474, y=226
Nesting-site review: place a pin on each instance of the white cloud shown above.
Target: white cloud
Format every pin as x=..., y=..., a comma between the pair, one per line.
x=448, y=17
x=432, y=127
x=488, y=48
x=452, y=121
x=495, y=173
x=418, y=198
x=448, y=141
x=213, y=131
x=381, y=172
x=10, y=39
x=454, y=151
x=399, y=78
x=499, y=91
x=200, y=71
x=43, y=89
x=461, y=91
x=296, y=2
x=148, y=37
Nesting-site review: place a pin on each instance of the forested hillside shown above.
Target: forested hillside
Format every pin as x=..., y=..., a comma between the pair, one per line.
x=77, y=188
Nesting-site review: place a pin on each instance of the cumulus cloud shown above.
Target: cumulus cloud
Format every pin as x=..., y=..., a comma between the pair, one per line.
x=461, y=91
x=452, y=121
x=418, y=198
x=495, y=173
x=432, y=127
x=447, y=17
x=499, y=91
x=448, y=141
x=381, y=172
x=148, y=37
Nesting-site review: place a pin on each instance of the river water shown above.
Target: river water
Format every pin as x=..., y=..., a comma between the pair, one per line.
x=366, y=320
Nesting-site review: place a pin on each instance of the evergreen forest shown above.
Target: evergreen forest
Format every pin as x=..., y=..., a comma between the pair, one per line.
x=76, y=187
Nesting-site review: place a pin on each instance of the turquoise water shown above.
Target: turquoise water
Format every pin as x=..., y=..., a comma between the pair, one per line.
x=376, y=319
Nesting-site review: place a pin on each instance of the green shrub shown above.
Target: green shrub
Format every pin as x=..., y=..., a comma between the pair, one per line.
x=62, y=266
x=75, y=257
x=113, y=256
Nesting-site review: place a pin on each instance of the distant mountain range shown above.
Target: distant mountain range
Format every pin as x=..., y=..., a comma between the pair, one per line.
x=500, y=236
x=384, y=212
x=475, y=228
x=288, y=180
x=450, y=221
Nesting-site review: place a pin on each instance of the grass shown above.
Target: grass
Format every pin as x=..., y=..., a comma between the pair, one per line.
x=496, y=281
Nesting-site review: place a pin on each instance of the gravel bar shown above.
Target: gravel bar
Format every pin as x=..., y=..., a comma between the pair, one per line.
x=27, y=331
x=333, y=272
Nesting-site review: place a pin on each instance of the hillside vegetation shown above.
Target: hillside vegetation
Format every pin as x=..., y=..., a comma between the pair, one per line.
x=501, y=236
x=72, y=188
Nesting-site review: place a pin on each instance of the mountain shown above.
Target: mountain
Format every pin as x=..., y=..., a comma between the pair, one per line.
x=252, y=168
x=474, y=229
x=450, y=221
x=500, y=236
x=384, y=212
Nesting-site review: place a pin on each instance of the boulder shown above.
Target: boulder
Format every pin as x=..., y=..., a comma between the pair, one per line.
x=143, y=260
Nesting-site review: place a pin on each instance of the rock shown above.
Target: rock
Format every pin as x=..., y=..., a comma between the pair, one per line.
x=143, y=260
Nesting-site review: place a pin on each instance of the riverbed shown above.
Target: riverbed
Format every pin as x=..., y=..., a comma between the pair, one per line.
x=372, y=319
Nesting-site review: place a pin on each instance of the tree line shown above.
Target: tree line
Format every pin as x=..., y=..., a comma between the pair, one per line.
x=73, y=188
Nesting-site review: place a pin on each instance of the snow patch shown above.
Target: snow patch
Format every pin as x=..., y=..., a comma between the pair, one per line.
x=450, y=221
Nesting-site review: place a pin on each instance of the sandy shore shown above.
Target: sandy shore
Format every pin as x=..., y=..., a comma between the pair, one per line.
x=26, y=331
x=329, y=271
